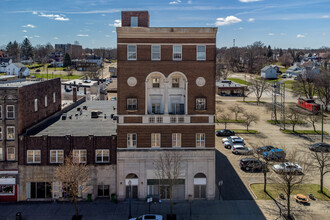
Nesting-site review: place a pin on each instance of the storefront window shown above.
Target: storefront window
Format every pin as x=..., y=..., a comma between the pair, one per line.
x=7, y=190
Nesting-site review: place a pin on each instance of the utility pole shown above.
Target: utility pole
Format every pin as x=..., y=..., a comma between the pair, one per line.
x=322, y=123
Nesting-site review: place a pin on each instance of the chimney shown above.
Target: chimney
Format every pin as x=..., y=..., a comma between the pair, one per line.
x=74, y=94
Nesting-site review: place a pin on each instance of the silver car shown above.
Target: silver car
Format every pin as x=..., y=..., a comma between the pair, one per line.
x=241, y=150
x=148, y=216
x=287, y=167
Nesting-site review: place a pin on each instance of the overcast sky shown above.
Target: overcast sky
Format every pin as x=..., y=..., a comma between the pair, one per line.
x=279, y=23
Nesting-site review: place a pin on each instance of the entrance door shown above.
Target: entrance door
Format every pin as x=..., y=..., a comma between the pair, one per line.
x=134, y=192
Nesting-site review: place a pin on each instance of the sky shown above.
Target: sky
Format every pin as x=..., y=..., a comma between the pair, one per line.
x=278, y=23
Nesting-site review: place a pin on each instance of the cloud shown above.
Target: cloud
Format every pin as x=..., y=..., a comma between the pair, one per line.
x=24, y=31
x=29, y=26
x=271, y=34
x=35, y=12
x=248, y=1
x=300, y=36
x=325, y=16
x=55, y=38
x=36, y=36
x=175, y=2
x=189, y=1
x=227, y=21
x=82, y=35
x=54, y=17
x=116, y=23
x=102, y=15
x=251, y=20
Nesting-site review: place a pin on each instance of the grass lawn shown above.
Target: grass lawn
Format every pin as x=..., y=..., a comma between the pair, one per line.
x=240, y=81
x=230, y=121
x=286, y=122
x=305, y=189
x=288, y=84
x=303, y=132
x=243, y=131
x=50, y=76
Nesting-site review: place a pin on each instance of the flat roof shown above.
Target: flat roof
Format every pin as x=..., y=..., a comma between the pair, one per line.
x=83, y=124
x=80, y=82
x=15, y=84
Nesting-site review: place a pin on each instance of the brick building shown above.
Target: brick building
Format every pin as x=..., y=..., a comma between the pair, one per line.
x=22, y=104
x=166, y=102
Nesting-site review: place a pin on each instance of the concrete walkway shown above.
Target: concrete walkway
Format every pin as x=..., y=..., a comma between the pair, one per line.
x=102, y=210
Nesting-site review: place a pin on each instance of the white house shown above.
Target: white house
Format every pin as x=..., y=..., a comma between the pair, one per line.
x=293, y=70
x=17, y=69
x=94, y=59
x=268, y=72
x=4, y=62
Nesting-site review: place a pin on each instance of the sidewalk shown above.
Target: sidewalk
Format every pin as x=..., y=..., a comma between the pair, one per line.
x=201, y=210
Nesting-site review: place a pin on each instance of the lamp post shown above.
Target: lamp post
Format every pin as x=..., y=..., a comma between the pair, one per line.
x=220, y=183
x=130, y=199
x=190, y=199
x=322, y=123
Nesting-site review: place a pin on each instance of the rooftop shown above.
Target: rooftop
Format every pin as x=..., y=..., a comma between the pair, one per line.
x=15, y=84
x=80, y=123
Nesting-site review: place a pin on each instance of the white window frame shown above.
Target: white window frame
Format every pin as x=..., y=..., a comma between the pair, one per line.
x=200, y=139
x=131, y=143
x=156, y=83
x=54, y=97
x=57, y=158
x=128, y=53
x=102, y=156
x=36, y=105
x=34, y=156
x=177, y=85
x=203, y=101
x=8, y=127
x=160, y=52
x=1, y=133
x=197, y=57
x=155, y=140
x=1, y=154
x=46, y=103
x=0, y=111
x=177, y=52
x=79, y=155
x=176, y=139
x=12, y=148
x=7, y=111
x=129, y=103
x=133, y=24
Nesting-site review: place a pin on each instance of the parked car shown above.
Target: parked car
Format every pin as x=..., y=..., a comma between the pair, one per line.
x=234, y=142
x=224, y=132
x=113, y=98
x=38, y=70
x=295, y=78
x=274, y=154
x=287, y=167
x=87, y=81
x=68, y=89
x=239, y=149
x=284, y=76
x=320, y=147
x=261, y=150
x=252, y=164
x=228, y=138
x=148, y=216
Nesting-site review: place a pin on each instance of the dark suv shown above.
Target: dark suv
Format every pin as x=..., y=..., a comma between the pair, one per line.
x=250, y=164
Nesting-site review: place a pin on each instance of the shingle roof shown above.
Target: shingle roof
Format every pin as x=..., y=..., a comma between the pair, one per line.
x=19, y=65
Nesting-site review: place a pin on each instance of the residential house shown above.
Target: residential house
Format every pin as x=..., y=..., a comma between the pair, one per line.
x=294, y=70
x=94, y=59
x=268, y=72
x=4, y=62
x=17, y=69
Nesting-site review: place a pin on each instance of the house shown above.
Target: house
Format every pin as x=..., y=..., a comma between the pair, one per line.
x=294, y=70
x=4, y=62
x=229, y=88
x=268, y=72
x=17, y=69
x=166, y=105
x=277, y=68
x=94, y=59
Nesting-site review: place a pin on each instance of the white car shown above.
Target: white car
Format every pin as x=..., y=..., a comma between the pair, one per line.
x=229, y=138
x=287, y=167
x=234, y=142
x=241, y=150
x=148, y=216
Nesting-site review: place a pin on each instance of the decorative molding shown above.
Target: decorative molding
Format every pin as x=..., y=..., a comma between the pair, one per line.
x=200, y=81
x=131, y=81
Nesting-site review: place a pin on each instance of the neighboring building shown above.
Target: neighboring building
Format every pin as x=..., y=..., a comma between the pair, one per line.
x=294, y=70
x=2, y=53
x=277, y=68
x=268, y=72
x=4, y=62
x=92, y=139
x=17, y=69
x=94, y=59
x=75, y=51
x=166, y=102
x=229, y=88
x=22, y=104
x=82, y=65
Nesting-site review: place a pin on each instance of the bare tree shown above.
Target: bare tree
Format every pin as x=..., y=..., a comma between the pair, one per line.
x=73, y=176
x=237, y=109
x=285, y=59
x=224, y=118
x=293, y=117
x=92, y=73
x=258, y=87
x=323, y=88
x=168, y=169
x=305, y=84
x=313, y=119
x=322, y=163
x=250, y=118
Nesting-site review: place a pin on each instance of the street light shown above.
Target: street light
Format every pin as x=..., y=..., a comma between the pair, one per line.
x=190, y=200
x=220, y=183
x=130, y=199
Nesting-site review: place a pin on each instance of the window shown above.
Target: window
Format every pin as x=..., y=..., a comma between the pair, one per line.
x=7, y=190
x=131, y=140
x=0, y=111
x=201, y=104
x=10, y=111
x=131, y=104
x=155, y=140
x=80, y=156
x=36, y=105
x=131, y=52
x=40, y=190
x=156, y=108
x=200, y=140
x=175, y=82
x=177, y=52
x=54, y=97
x=134, y=21
x=0, y=133
x=102, y=156
x=176, y=140
x=11, y=153
x=46, y=104
x=103, y=191
x=155, y=82
x=155, y=52
x=200, y=191
x=177, y=108
x=1, y=153
x=201, y=52
x=56, y=156
x=10, y=133
x=33, y=156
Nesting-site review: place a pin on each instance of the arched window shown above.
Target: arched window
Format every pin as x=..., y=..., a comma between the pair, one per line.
x=200, y=186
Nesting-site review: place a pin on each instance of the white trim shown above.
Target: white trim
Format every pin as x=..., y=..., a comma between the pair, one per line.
x=199, y=181
x=160, y=140
x=7, y=153
x=135, y=51
x=79, y=154
x=7, y=181
x=33, y=156
x=197, y=52
x=8, y=172
x=200, y=140
x=134, y=182
x=103, y=161
x=8, y=133
x=176, y=59
x=131, y=139
x=46, y=101
x=160, y=52
x=50, y=156
x=54, y=97
x=8, y=111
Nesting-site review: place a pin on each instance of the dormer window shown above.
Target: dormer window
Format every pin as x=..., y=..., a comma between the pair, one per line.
x=134, y=21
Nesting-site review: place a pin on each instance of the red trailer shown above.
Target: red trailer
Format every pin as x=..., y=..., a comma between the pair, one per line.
x=309, y=104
